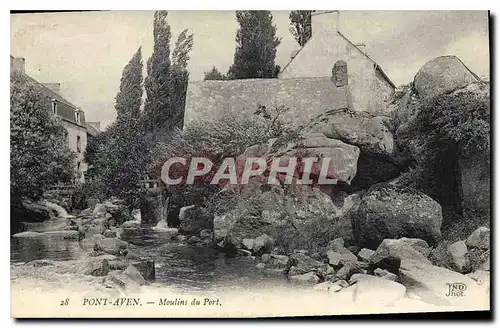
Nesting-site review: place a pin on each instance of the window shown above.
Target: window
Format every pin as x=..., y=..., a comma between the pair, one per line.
x=77, y=117
x=78, y=144
x=339, y=73
x=54, y=106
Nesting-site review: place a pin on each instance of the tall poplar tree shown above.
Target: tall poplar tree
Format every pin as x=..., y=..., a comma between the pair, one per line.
x=157, y=83
x=256, y=44
x=179, y=76
x=300, y=25
x=129, y=98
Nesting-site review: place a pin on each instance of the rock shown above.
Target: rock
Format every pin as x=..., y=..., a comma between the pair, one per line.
x=206, y=234
x=31, y=211
x=306, y=278
x=365, y=254
x=40, y=263
x=27, y=234
x=263, y=244
x=327, y=286
x=336, y=245
x=361, y=129
x=388, y=211
x=480, y=238
x=333, y=257
x=146, y=268
x=371, y=290
x=391, y=252
x=98, y=236
x=346, y=256
x=432, y=284
x=99, y=209
x=118, y=264
x=133, y=273
x=248, y=243
x=385, y=274
x=304, y=263
x=459, y=259
x=111, y=245
x=278, y=262
x=110, y=234
x=193, y=240
x=417, y=244
x=265, y=258
x=65, y=234
x=442, y=75
x=98, y=267
x=260, y=266
x=194, y=219
x=132, y=256
x=351, y=268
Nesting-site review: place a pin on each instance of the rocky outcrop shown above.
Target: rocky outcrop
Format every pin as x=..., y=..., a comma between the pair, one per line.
x=442, y=75
x=387, y=211
x=480, y=238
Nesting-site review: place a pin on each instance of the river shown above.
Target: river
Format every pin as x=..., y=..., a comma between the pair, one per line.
x=176, y=264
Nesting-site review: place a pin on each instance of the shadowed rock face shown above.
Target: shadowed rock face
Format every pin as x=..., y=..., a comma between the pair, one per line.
x=442, y=75
x=387, y=211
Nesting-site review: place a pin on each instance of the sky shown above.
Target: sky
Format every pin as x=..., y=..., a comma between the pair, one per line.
x=86, y=52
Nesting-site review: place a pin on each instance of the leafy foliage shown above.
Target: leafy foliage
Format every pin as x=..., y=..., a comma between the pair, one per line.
x=300, y=25
x=214, y=75
x=39, y=154
x=256, y=46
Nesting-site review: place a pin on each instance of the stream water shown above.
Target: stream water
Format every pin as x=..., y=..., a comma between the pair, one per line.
x=177, y=265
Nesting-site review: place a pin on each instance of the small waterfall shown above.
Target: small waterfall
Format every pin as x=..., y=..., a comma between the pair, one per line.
x=61, y=212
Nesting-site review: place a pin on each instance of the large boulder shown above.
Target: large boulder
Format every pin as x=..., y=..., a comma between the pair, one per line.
x=194, y=219
x=391, y=252
x=368, y=132
x=442, y=75
x=98, y=267
x=440, y=286
x=389, y=211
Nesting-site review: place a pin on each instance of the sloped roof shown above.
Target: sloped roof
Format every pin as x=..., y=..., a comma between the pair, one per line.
x=305, y=97
x=65, y=109
x=377, y=66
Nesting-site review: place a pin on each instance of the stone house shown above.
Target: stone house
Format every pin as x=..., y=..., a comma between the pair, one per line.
x=72, y=118
x=328, y=72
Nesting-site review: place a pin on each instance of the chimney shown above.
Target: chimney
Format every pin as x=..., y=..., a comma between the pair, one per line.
x=56, y=87
x=324, y=22
x=18, y=63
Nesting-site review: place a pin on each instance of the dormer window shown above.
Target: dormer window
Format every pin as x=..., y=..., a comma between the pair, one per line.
x=339, y=73
x=54, y=106
x=77, y=117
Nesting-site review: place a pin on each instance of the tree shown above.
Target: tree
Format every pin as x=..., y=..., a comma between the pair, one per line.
x=128, y=99
x=300, y=25
x=157, y=83
x=38, y=151
x=214, y=74
x=179, y=76
x=256, y=46
x=118, y=155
